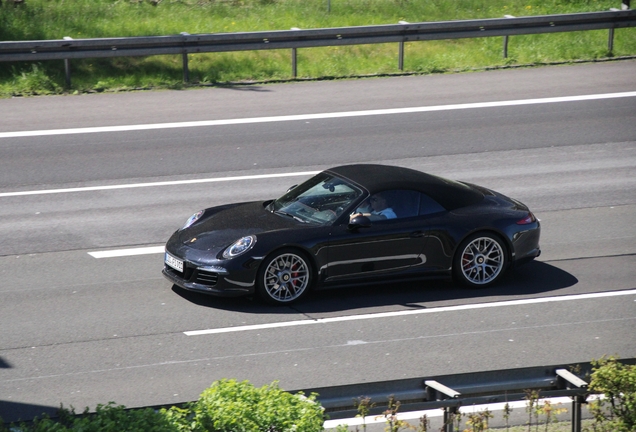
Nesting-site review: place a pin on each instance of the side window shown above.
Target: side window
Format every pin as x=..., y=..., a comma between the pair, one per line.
x=429, y=206
x=405, y=203
x=398, y=204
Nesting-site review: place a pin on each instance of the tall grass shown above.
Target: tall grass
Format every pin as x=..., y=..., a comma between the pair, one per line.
x=53, y=19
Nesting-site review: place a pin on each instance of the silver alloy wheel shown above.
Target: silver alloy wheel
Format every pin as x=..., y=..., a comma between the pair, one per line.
x=286, y=278
x=482, y=260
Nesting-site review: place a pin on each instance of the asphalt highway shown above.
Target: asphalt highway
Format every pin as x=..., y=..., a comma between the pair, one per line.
x=92, y=186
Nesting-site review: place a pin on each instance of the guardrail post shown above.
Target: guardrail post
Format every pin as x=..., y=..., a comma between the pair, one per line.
x=184, y=56
x=67, y=72
x=67, y=67
x=572, y=380
x=437, y=391
x=401, y=50
x=625, y=4
x=577, y=401
x=449, y=418
x=186, y=71
x=294, y=58
x=505, y=40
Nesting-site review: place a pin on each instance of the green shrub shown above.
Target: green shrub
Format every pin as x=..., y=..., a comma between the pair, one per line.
x=231, y=406
x=107, y=418
x=616, y=411
x=227, y=406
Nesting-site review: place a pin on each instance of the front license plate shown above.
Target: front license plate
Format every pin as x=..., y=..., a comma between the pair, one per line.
x=173, y=262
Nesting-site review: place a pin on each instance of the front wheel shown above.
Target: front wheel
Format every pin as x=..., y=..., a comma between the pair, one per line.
x=480, y=260
x=284, y=278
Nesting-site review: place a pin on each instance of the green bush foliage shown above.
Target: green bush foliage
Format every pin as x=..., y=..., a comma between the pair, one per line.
x=106, y=418
x=227, y=406
x=232, y=406
x=616, y=412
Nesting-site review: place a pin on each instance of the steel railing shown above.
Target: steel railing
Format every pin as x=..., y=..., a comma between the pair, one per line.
x=450, y=392
x=185, y=44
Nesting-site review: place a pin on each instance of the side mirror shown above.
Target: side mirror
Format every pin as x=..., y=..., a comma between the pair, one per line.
x=359, y=222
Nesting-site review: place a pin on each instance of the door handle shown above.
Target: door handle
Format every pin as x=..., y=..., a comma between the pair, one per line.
x=416, y=234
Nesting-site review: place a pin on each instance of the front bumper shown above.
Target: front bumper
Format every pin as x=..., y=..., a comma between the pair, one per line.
x=209, y=280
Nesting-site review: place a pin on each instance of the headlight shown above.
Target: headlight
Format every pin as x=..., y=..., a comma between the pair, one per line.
x=239, y=247
x=192, y=219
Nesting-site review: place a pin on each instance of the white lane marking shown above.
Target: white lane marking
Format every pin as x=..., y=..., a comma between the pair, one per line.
x=411, y=312
x=270, y=119
x=128, y=252
x=164, y=183
x=127, y=128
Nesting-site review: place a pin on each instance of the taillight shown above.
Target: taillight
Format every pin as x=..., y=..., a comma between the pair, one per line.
x=527, y=220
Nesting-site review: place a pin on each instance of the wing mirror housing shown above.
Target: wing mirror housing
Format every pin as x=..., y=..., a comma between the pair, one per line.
x=359, y=222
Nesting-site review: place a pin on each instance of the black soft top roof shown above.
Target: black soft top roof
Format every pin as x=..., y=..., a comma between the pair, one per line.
x=377, y=178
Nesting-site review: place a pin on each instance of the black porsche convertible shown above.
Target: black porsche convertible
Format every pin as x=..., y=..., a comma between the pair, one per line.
x=352, y=224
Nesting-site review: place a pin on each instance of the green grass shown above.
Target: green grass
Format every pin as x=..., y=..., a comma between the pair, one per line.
x=54, y=19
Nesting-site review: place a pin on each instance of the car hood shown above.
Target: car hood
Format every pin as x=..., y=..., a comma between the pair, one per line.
x=221, y=226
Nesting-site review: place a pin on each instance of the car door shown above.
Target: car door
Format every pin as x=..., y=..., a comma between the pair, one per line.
x=439, y=244
x=387, y=246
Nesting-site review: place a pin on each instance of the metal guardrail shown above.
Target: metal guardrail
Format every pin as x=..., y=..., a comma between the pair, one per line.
x=184, y=44
x=450, y=392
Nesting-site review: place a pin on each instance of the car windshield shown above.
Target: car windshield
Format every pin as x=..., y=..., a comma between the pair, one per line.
x=319, y=200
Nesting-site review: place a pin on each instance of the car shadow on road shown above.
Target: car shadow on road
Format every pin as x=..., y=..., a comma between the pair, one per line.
x=15, y=412
x=531, y=280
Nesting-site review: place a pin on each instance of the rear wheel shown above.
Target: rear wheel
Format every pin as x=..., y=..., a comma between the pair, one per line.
x=284, y=277
x=480, y=260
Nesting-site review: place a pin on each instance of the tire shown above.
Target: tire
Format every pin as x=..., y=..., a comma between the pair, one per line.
x=480, y=260
x=284, y=278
